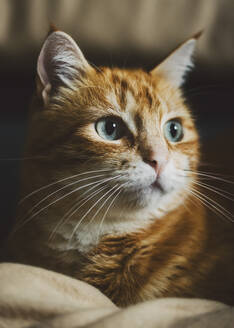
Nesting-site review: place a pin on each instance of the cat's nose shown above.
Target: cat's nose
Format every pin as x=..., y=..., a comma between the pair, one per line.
x=152, y=162
x=157, y=159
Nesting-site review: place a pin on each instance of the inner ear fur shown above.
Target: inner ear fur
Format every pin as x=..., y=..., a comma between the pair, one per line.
x=175, y=67
x=60, y=63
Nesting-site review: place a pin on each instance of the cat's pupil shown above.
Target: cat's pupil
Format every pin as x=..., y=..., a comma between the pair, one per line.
x=173, y=130
x=110, y=127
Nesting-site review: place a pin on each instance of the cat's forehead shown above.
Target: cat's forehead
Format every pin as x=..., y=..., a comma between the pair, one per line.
x=131, y=88
x=137, y=93
x=129, y=85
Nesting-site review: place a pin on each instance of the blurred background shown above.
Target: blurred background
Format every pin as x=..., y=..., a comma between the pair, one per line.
x=125, y=33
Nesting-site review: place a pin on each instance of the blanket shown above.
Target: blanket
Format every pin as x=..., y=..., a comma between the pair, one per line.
x=32, y=297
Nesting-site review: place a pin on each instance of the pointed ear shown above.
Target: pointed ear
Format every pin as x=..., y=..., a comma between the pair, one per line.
x=178, y=63
x=60, y=63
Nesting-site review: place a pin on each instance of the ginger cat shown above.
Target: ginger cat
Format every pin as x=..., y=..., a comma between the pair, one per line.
x=110, y=193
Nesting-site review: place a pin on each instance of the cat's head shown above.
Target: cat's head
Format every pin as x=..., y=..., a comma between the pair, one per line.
x=129, y=128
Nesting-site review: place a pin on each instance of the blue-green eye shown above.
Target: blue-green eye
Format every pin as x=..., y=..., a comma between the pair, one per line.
x=110, y=128
x=173, y=131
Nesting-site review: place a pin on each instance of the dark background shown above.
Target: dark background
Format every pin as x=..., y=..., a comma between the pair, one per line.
x=209, y=89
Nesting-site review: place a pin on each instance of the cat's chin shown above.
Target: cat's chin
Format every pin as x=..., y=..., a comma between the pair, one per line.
x=154, y=199
x=143, y=197
x=157, y=187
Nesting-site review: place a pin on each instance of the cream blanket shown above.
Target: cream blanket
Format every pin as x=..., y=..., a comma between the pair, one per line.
x=34, y=297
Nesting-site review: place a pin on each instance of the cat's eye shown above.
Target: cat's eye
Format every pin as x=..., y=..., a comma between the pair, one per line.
x=173, y=131
x=110, y=128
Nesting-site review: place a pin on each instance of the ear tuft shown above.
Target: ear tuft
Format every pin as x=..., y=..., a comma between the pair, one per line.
x=178, y=63
x=197, y=35
x=60, y=63
x=52, y=29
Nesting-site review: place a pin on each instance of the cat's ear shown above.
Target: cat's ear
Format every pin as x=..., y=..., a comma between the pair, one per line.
x=178, y=63
x=60, y=62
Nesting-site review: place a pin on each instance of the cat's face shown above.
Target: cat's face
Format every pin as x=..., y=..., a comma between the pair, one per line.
x=130, y=128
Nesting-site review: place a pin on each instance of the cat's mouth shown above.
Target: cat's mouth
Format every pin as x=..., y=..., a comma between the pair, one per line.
x=156, y=185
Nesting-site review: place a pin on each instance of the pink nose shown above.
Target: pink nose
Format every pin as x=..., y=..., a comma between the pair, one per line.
x=156, y=157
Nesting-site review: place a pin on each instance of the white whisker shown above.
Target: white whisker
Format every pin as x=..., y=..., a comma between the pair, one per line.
x=103, y=204
x=209, y=176
x=215, y=207
x=215, y=174
x=75, y=208
x=208, y=205
x=89, y=210
x=215, y=190
x=108, y=208
x=56, y=182
x=57, y=200
x=62, y=188
x=213, y=201
x=78, y=205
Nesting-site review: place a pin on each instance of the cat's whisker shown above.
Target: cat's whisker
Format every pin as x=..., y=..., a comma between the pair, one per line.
x=52, y=203
x=214, y=174
x=108, y=208
x=215, y=190
x=213, y=201
x=205, y=203
x=89, y=210
x=184, y=203
x=78, y=205
x=211, y=207
x=212, y=188
x=60, y=189
x=103, y=204
x=74, y=209
x=209, y=176
x=58, y=181
x=218, y=189
x=210, y=203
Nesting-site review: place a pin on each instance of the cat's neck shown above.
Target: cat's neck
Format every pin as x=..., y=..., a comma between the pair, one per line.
x=84, y=237
x=88, y=236
x=89, y=239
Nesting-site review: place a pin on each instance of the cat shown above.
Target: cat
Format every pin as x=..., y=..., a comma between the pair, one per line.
x=110, y=187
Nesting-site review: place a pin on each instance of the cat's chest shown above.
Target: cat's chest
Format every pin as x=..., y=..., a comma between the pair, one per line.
x=140, y=266
x=128, y=269
x=87, y=237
